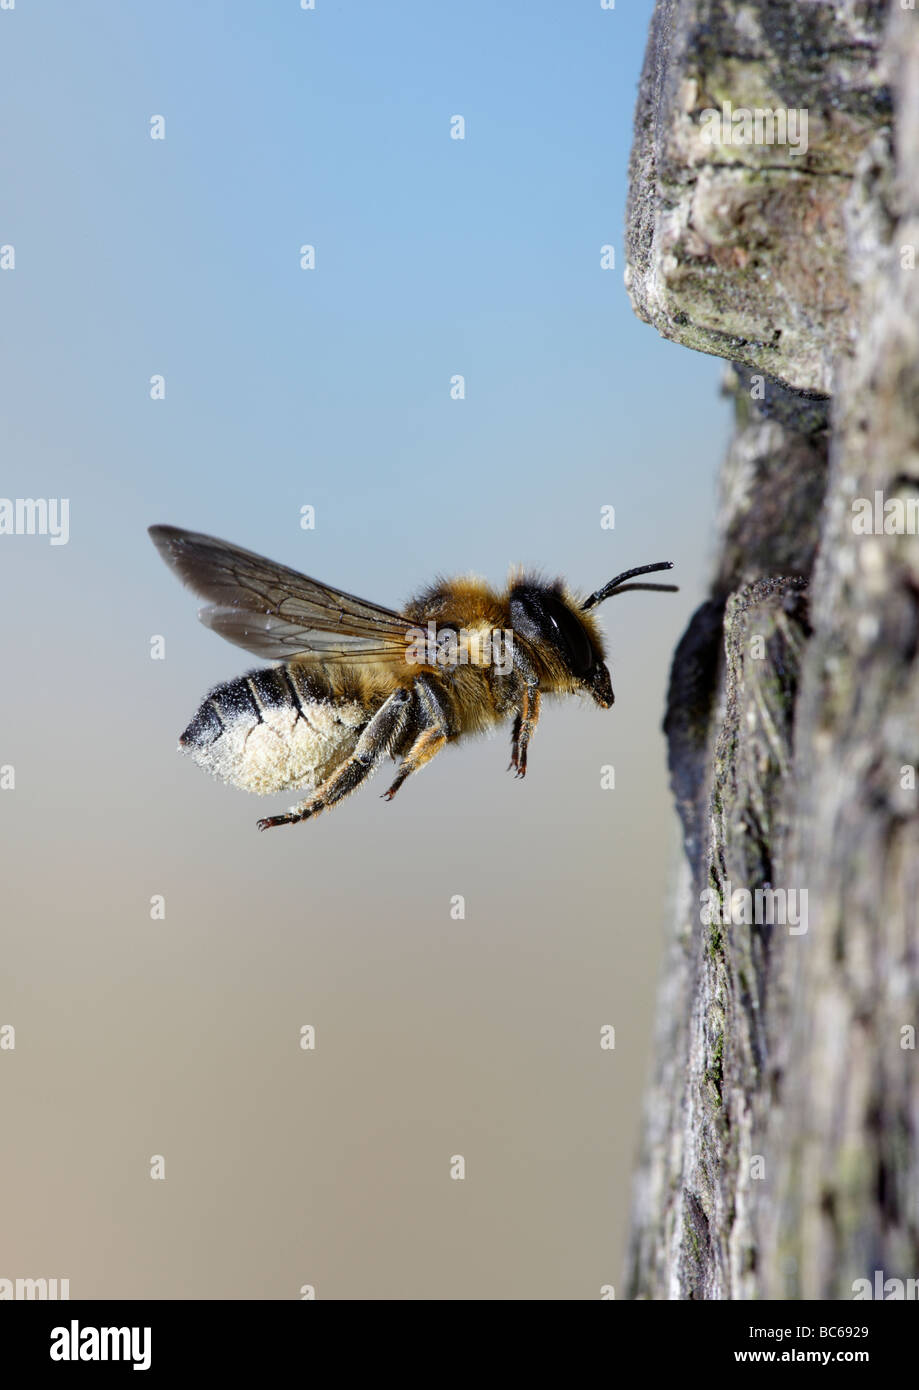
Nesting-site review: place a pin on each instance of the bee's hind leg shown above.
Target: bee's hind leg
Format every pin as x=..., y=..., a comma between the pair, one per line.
x=433, y=732
x=376, y=740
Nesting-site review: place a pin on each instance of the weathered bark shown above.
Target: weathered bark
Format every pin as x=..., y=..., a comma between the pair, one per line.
x=780, y=1156
x=738, y=249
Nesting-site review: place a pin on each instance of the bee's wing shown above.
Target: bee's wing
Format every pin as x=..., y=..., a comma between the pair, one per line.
x=273, y=611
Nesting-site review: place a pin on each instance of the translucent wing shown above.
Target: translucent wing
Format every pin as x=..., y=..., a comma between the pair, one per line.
x=273, y=611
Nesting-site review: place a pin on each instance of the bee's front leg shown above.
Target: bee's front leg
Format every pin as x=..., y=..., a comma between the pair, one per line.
x=515, y=742
x=527, y=716
x=524, y=727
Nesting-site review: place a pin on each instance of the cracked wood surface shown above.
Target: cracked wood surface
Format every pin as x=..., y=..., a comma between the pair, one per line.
x=781, y=1145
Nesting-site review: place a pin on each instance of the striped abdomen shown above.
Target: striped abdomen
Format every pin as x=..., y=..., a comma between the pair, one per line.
x=274, y=730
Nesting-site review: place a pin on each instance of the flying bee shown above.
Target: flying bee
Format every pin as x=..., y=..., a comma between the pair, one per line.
x=357, y=682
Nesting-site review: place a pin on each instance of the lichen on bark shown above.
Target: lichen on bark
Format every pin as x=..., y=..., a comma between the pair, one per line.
x=738, y=249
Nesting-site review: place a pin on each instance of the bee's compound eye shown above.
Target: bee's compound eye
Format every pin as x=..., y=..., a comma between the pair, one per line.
x=541, y=616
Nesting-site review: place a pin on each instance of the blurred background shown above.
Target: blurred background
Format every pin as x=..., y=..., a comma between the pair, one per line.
x=179, y=1035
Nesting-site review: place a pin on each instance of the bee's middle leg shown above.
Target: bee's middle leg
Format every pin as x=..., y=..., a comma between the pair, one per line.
x=433, y=732
x=376, y=740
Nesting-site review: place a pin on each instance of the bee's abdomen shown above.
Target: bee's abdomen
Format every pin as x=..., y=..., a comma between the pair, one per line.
x=273, y=730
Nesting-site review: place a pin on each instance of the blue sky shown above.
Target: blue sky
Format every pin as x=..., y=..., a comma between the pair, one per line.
x=434, y=257
x=329, y=388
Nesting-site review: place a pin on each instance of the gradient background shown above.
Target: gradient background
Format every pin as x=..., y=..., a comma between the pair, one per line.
x=435, y=1037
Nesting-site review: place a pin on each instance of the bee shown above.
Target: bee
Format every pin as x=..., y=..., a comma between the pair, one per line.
x=357, y=682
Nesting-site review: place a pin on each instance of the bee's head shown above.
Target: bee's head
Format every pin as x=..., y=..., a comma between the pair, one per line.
x=545, y=616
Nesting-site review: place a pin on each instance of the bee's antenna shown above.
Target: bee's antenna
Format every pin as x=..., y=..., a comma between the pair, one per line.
x=619, y=586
